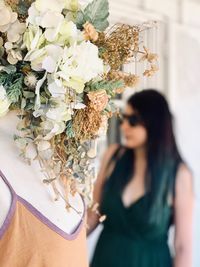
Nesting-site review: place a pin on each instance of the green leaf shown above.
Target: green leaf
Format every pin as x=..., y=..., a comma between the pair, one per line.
x=29, y=106
x=28, y=94
x=9, y=69
x=108, y=86
x=23, y=6
x=80, y=19
x=96, y=13
x=14, y=91
x=23, y=103
x=69, y=130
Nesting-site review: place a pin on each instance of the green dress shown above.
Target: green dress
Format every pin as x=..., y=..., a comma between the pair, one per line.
x=128, y=240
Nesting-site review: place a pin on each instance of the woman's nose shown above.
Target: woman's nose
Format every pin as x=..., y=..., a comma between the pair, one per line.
x=125, y=125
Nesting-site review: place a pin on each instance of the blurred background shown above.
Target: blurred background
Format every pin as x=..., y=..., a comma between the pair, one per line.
x=176, y=40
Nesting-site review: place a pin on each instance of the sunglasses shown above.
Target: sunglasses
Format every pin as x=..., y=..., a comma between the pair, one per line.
x=133, y=120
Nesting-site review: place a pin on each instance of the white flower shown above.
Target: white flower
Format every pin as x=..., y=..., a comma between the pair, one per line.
x=51, y=128
x=48, y=16
x=7, y=17
x=52, y=22
x=33, y=15
x=53, y=5
x=80, y=64
x=43, y=145
x=4, y=102
x=87, y=63
x=59, y=114
x=15, y=31
x=33, y=38
x=55, y=89
x=10, y=24
x=72, y=5
x=45, y=58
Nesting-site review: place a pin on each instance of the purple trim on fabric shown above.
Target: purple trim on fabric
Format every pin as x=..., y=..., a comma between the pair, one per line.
x=51, y=225
x=37, y=214
x=12, y=208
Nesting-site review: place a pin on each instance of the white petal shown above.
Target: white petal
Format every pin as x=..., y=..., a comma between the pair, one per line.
x=49, y=64
x=37, y=91
x=43, y=145
x=5, y=16
x=55, y=90
x=51, y=34
x=51, y=20
x=54, y=5
x=4, y=28
x=14, y=17
x=80, y=106
x=8, y=45
x=11, y=59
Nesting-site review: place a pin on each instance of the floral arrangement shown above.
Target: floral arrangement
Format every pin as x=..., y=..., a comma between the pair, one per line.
x=60, y=67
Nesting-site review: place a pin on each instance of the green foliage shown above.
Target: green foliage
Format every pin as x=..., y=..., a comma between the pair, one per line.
x=13, y=83
x=96, y=13
x=14, y=91
x=69, y=130
x=23, y=6
x=108, y=86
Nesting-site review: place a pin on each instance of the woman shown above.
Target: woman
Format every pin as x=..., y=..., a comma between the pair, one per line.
x=144, y=187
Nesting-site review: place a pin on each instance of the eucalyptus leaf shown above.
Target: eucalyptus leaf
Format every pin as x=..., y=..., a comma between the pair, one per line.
x=96, y=13
x=29, y=106
x=9, y=69
x=28, y=94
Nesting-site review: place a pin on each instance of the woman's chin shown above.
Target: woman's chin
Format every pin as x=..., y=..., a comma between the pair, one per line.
x=129, y=144
x=132, y=145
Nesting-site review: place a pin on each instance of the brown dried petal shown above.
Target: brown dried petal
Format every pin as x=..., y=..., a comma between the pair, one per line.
x=99, y=99
x=89, y=32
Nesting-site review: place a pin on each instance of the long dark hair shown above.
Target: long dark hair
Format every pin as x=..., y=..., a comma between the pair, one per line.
x=163, y=157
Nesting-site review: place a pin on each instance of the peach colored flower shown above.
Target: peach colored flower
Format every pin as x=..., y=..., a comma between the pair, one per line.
x=120, y=90
x=99, y=99
x=150, y=72
x=89, y=32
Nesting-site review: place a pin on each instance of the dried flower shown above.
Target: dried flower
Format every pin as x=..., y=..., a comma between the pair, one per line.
x=150, y=57
x=89, y=32
x=120, y=44
x=30, y=80
x=150, y=72
x=86, y=123
x=130, y=80
x=99, y=99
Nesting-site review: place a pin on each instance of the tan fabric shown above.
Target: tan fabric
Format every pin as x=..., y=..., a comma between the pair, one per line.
x=29, y=242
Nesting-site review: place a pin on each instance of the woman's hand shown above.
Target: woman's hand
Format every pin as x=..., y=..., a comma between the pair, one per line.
x=92, y=217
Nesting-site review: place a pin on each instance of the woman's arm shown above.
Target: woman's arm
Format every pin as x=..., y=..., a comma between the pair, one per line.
x=184, y=202
x=92, y=217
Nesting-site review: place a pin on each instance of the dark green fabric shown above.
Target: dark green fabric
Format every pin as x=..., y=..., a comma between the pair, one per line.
x=128, y=239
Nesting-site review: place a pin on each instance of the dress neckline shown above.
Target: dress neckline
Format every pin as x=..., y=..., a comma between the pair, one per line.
x=134, y=203
x=36, y=213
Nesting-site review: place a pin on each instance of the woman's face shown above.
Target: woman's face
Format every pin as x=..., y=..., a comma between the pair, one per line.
x=135, y=136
